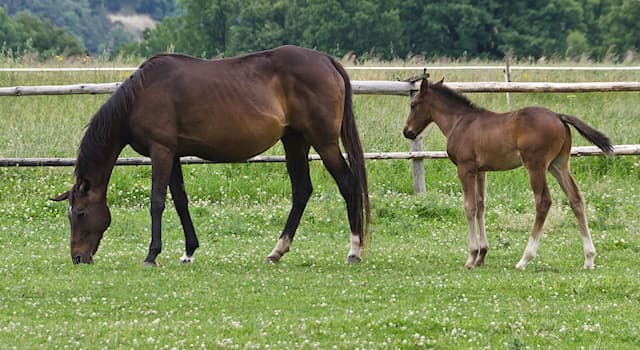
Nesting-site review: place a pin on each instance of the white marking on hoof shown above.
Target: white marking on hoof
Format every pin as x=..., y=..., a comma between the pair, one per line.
x=278, y=252
x=187, y=259
x=354, y=250
x=149, y=264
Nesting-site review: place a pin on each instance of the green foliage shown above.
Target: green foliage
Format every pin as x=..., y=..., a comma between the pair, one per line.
x=400, y=28
x=28, y=34
x=593, y=29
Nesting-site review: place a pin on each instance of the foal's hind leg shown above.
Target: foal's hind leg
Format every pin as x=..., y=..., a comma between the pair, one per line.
x=297, y=151
x=481, y=190
x=538, y=180
x=560, y=170
x=180, y=200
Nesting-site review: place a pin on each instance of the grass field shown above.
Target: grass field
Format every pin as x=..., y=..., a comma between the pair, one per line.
x=411, y=291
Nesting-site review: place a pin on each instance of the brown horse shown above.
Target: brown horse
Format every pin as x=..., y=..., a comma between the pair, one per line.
x=225, y=110
x=479, y=141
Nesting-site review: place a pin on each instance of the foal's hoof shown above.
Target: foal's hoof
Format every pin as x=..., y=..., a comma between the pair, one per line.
x=353, y=259
x=272, y=259
x=149, y=264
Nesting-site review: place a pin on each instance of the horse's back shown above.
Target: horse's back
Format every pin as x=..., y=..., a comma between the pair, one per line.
x=232, y=109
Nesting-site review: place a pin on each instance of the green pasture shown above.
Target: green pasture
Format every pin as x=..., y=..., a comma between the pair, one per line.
x=411, y=290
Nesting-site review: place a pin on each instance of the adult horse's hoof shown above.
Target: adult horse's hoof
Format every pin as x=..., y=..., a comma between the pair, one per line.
x=149, y=264
x=185, y=259
x=353, y=259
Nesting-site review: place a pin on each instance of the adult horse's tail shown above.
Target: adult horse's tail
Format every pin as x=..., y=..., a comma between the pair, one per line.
x=353, y=147
x=594, y=136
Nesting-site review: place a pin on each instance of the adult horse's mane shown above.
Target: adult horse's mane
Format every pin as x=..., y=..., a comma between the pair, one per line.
x=455, y=96
x=110, y=116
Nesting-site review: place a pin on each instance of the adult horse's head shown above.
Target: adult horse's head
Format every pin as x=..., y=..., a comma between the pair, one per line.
x=89, y=217
x=420, y=115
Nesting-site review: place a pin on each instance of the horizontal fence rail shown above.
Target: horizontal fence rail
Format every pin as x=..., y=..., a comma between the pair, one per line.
x=402, y=88
x=372, y=87
x=52, y=162
x=354, y=68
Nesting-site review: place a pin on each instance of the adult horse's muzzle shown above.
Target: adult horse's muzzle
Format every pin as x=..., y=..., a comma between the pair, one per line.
x=408, y=133
x=85, y=259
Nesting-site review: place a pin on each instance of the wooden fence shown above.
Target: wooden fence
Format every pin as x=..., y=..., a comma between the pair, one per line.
x=401, y=88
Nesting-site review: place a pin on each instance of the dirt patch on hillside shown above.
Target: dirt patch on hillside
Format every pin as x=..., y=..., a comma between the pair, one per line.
x=134, y=24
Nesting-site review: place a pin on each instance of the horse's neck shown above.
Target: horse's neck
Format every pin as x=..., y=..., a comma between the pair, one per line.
x=98, y=165
x=446, y=119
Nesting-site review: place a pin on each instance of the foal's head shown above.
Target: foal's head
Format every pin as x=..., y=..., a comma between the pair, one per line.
x=420, y=114
x=89, y=217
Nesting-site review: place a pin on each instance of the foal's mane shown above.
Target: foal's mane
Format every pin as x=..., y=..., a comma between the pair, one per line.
x=456, y=97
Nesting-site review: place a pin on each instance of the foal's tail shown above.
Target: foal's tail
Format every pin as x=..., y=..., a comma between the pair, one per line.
x=353, y=147
x=594, y=136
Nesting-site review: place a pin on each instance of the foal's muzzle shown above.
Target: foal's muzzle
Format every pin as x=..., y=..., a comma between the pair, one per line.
x=410, y=134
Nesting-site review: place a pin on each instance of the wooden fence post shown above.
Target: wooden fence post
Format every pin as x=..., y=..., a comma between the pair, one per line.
x=507, y=75
x=417, y=165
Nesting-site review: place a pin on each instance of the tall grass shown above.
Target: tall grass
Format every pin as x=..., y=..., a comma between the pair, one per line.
x=411, y=290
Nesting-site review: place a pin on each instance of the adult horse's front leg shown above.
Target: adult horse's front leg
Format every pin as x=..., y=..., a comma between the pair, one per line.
x=338, y=168
x=296, y=151
x=161, y=164
x=468, y=181
x=180, y=200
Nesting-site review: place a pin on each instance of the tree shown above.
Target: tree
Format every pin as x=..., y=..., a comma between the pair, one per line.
x=27, y=33
x=621, y=27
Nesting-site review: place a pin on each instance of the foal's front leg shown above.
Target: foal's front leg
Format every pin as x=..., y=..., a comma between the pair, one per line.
x=468, y=181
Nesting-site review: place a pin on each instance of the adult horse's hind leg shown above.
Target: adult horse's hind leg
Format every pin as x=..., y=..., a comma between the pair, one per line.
x=296, y=151
x=538, y=181
x=560, y=170
x=180, y=200
x=337, y=166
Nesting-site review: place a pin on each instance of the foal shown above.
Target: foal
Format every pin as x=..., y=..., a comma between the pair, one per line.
x=479, y=140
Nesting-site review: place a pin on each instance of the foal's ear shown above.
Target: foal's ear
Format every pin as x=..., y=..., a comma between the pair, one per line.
x=61, y=197
x=440, y=82
x=424, y=84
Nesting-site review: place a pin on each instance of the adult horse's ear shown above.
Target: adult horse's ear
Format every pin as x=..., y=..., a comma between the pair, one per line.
x=61, y=197
x=440, y=82
x=85, y=185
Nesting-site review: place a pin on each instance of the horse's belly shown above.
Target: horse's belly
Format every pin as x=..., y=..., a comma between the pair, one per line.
x=227, y=148
x=496, y=161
